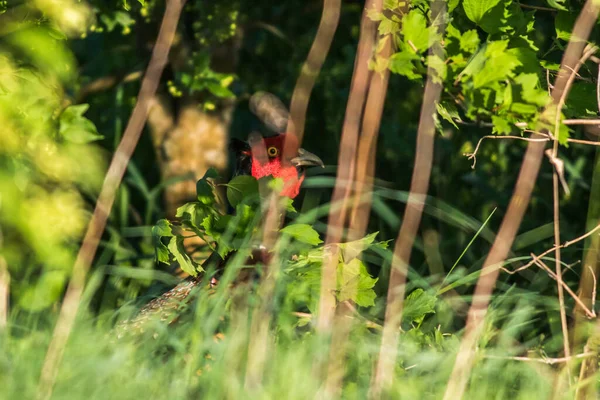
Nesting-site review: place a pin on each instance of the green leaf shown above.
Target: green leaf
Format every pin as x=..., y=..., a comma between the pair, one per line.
x=303, y=233
x=414, y=28
x=499, y=65
x=401, y=63
x=163, y=228
x=469, y=41
x=388, y=26
x=205, y=187
x=354, y=283
x=417, y=305
x=76, y=128
x=186, y=264
x=530, y=90
x=240, y=188
x=563, y=24
x=448, y=114
x=558, y=4
x=350, y=250
x=476, y=9
x=218, y=90
x=501, y=125
x=452, y=4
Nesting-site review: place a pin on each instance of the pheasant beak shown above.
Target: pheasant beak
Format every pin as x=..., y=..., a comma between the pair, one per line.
x=306, y=159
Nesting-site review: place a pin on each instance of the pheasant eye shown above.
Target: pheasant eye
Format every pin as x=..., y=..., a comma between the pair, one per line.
x=272, y=151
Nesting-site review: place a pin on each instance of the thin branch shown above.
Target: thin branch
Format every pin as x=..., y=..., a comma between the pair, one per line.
x=544, y=360
x=384, y=370
x=590, y=313
x=562, y=246
x=473, y=155
x=106, y=199
x=581, y=121
x=513, y=217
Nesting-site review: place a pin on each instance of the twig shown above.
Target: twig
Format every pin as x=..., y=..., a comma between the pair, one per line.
x=544, y=360
x=590, y=313
x=384, y=370
x=473, y=155
x=513, y=217
x=562, y=246
x=581, y=121
x=106, y=199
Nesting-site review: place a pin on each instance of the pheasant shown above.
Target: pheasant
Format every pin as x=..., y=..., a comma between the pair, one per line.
x=259, y=157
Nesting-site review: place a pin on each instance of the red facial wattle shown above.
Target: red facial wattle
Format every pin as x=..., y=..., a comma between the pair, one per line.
x=273, y=166
x=271, y=163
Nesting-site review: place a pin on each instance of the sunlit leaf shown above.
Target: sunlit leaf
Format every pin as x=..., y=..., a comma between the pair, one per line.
x=303, y=233
x=417, y=305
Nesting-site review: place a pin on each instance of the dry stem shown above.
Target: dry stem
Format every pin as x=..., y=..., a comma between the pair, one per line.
x=384, y=370
x=106, y=199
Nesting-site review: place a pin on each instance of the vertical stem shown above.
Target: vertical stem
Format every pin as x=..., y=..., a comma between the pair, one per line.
x=258, y=345
x=106, y=199
x=367, y=146
x=345, y=172
x=384, y=370
x=4, y=293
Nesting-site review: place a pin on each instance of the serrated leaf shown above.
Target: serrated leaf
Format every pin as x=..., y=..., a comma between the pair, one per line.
x=240, y=188
x=530, y=90
x=499, y=65
x=476, y=9
x=76, y=128
x=469, y=41
x=350, y=250
x=448, y=115
x=387, y=26
x=417, y=305
x=303, y=233
x=354, y=283
x=401, y=63
x=186, y=264
x=414, y=29
x=501, y=125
